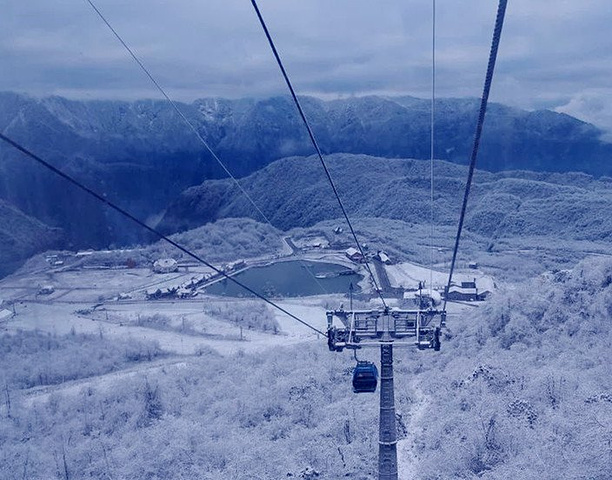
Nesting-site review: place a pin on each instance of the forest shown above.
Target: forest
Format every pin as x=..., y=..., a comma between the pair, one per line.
x=521, y=389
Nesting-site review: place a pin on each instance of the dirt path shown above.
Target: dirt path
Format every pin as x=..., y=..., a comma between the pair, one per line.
x=407, y=456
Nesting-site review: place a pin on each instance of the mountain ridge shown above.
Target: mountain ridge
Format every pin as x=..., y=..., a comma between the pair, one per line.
x=394, y=127
x=22, y=236
x=141, y=156
x=294, y=192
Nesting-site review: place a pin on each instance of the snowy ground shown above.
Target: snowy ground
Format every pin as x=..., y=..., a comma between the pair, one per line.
x=103, y=382
x=87, y=285
x=80, y=290
x=406, y=448
x=85, y=301
x=62, y=318
x=409, y=275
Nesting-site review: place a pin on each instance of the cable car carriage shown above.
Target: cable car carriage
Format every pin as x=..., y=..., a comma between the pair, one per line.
x=368, y=328
x=365, y=377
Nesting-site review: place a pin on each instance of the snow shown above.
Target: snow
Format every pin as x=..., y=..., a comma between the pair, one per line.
x=409, y=275
x=85, y=301
x=61, y=319
x=407, y=457
x=80, y=290
x=309, y=310
x=102, y=382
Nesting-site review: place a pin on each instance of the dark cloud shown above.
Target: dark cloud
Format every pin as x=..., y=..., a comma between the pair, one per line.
x=554, y=53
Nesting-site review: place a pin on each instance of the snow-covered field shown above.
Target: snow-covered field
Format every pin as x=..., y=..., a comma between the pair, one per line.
x=409, y=275
x=77, y=291
x=519, y=386
x=86, y=289
x=85, y=302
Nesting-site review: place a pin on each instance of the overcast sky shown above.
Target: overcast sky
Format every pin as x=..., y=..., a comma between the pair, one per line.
x=554, y=53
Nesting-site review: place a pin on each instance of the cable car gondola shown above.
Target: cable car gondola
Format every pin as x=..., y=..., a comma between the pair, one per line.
x=365, y=377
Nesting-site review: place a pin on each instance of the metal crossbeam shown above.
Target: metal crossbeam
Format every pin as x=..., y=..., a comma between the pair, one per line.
x=385, y=328
x=368, y=328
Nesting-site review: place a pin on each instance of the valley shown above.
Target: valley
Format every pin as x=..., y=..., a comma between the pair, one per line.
x=251, y=381
x=123, y=358
x=391, y=271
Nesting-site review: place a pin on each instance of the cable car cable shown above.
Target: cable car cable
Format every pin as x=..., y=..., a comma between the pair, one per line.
x=432, y=148
x=175, y=107
x=499, y=23
x=316, y=146
x=190, y=125
x=128, y=215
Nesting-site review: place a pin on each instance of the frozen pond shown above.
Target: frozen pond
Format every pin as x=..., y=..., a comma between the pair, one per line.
x=290, y=279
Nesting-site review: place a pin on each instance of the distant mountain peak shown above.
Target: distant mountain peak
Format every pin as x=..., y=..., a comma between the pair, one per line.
x=143, y=155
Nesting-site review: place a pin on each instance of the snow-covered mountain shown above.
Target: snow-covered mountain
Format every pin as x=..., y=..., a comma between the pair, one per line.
x=294, y=192
x=141, y=155
x=250, y=133
x=22, y=236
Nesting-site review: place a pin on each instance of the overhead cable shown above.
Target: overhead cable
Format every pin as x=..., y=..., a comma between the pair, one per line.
x=316, y=146
x=499, y=23
x=155, y=232
x=190, y=125
x=177, y=110
x=432, y=146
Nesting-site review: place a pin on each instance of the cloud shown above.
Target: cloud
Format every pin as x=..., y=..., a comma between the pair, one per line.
x=592, y=106
x=552, y=52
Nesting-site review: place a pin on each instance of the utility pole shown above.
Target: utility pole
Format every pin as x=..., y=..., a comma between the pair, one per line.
x=387, y=438
x=383, y=328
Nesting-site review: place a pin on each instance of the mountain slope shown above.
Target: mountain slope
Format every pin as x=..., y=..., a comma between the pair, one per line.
x=294, y=192
x=141, y=155
x=250, y=133
x=21, y=237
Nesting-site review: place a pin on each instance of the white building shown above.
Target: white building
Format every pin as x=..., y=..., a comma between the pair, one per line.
x=466, y=291
x=165, y=265
x=5, y=315
x=354, y=254
x=383, y=257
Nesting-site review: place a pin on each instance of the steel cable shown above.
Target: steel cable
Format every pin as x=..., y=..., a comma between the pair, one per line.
x=150, y=229
x=191, y=126
x=316, y=147
x=499, y=23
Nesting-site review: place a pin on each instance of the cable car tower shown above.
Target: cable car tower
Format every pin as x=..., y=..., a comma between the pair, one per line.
x=384, y=328
x=387, y=327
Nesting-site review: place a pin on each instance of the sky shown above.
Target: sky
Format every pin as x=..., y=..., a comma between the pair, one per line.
x=554, y=54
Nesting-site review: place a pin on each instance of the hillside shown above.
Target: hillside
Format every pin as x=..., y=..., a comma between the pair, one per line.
x=521, y=389
x=249, y=133
x=294, y=192
x=142, y=156
x=21, y=237
x=524, y=386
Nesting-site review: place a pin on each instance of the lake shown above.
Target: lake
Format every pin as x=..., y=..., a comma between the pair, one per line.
x=290, y=279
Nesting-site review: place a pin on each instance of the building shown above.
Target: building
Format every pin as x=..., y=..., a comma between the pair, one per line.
x=422, y=298
x=6, y=313
x=467, y=291
x=46, y=290
x=165, y=265
x=383, y=257
x=354, y=255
